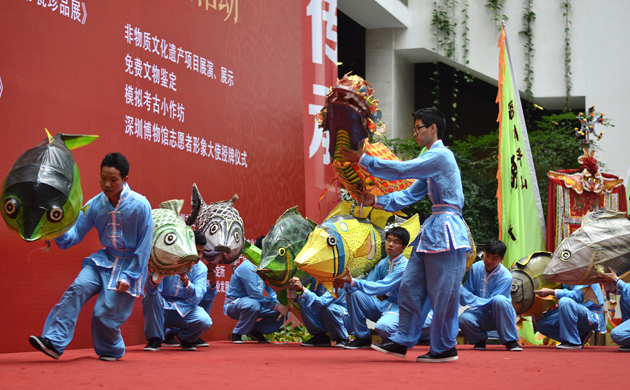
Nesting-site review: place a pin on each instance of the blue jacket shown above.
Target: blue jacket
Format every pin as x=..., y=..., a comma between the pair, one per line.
x=317, y=297
x=576, y=293
x=245, y=282
x=437, y=175
x=176, y=296
x=384, y=279
x=481, y=287
x=126, y=232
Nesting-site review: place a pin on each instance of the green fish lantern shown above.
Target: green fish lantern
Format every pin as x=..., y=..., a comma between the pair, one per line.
x=42, y=194
x=280, y=247
x=344, y=242
x=174, y=249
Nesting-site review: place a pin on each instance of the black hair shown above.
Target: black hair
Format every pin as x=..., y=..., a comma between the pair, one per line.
x=400, y=233
x=259, y=241
x=431, y=115
x=495, y=247
x=200, y=238
x=118, y=161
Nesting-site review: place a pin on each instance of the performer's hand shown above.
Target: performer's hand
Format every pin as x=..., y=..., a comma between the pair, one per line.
x=366, y=199
x=544, y=292
x=121, y=286
x=295, y=284
x=606, y=278
x=341, y=282
x=351, y=155
x=212, y=276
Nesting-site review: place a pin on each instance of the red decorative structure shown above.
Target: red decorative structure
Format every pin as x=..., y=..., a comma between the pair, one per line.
x=574, y=192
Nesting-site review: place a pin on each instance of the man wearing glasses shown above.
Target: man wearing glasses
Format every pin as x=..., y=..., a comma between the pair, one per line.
x=435, y=270
x=383, y=280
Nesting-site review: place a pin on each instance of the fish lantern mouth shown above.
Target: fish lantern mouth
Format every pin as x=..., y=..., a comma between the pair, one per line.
x=522, y=298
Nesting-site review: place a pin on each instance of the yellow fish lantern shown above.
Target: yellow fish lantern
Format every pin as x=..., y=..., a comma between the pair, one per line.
x=345, y=243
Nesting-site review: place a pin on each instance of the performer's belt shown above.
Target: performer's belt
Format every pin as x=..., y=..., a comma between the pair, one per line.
x=121, y=253
x=446, y=209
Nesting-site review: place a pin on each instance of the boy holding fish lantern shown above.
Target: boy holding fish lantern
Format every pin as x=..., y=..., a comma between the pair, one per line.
x=322, y=313
x=384, y=279
x=173, y=303
x=115, y=273
x=487, y=291
x=435, y=270
x=206, y=300
x=621, y=334
x=575, y=318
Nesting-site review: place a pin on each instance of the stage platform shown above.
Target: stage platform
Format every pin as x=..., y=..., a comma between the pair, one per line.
x=224, y=365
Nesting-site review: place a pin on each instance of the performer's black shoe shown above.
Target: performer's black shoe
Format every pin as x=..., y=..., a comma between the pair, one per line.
x=446, y=356
x=318, y=340
x=569, y=346
x=586, y=337
x=481, y=346
x=257, y=335
x=186, y=345
x=342, y=343
x=237, y=338
x=200, y=343
x=623, y=349
x=513, y=346
x=391, y=348
x=365, y=343
x=44, y=345
x=169, y=341
x=154, y=344
x=108, y=358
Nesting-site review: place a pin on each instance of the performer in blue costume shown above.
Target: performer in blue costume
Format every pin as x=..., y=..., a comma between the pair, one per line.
x=573, y=322
x=437, y=264
x=174, y=303
x=487, y=291
x=621, y=334
x=321, y=313
x=382, y=280
x=257, y=314
x=206, y=301
x=116, y=273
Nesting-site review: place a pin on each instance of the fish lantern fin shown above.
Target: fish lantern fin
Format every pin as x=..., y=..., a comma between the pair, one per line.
x=173, y=204
x=625, y=277
x=85, y=208
x=50, y=137
x=589, y=295
x=400, y=214
x=412, y=225
x=342, y=208
x=74, y=141
x=234, y=199
x=380, y=217
x=196, y=201
x=252, y=253
x=365, y=248
x=292, y=210
x=313, y=223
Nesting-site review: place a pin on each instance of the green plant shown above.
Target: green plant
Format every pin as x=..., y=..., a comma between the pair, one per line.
x=496, y=6
x=567, y=54
x=528, y=19
x=294, y=334
x=467, y=76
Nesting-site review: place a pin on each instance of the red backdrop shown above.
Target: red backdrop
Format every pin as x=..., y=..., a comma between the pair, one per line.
x=203, y=91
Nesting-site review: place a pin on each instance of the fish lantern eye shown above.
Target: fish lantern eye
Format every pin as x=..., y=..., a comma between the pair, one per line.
x=282, y=252
x=170, y=238
x=565, y=255
x=237, y=236
x=214, y=228
x=55, y=214
x=332, y=241
x=11, y=207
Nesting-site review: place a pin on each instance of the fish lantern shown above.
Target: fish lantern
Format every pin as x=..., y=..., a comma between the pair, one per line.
x=527, y=276
x=280, y=247
x=344, y=242
x=42, y=195
x=222, y=225
x=174, y=250
x=602, y=241
x=351, y=117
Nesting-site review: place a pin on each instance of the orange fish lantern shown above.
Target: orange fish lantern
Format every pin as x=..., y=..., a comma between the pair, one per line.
x=351, y=117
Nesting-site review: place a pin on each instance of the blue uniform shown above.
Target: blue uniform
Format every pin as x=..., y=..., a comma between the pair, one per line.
x=126, y=231
x=573, y=317
x=490, y=301
x=437, y=264
x=208, y=298
x=621, y=334
x=245, y=302
x=170, y=304
x=322, y=313
x=384, y=279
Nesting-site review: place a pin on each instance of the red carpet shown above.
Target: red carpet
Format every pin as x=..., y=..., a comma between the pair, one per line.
x=257, y=366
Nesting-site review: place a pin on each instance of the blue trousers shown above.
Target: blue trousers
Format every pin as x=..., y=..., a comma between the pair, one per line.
x=567, y=322
x=252, y=316
x=476, y=323
x=431, y=280
x=621, y=334
x=333, y=319
x=111, y=310
x=362, y=307
x=190, y=328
